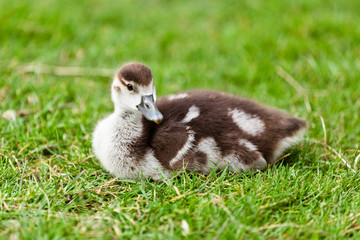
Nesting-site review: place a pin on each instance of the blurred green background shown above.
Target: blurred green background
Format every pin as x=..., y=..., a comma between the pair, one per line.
x=236, y=46
x=57, y=59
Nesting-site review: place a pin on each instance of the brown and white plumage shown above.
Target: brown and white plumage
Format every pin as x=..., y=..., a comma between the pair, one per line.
x=199, y=130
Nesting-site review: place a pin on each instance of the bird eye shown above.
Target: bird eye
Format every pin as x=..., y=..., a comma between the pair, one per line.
x=130, y=87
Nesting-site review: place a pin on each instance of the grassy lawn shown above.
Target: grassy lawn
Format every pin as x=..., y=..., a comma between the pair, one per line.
x=56, y=63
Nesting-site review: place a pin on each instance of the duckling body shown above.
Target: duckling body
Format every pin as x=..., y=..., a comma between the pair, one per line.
x=199, y=130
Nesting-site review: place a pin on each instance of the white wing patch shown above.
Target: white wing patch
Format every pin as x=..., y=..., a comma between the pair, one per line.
x=178, y=96
x=234, y=163
x=250, y=124
x=249, y=145
x=187, y=146
x=212, y=151
x=193, y=112
x=210, y=148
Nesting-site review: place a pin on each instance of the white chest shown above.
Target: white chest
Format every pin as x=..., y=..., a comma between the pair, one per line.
x=113, y=141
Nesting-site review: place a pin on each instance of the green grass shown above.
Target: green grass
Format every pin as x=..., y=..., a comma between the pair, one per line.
x=51, y=185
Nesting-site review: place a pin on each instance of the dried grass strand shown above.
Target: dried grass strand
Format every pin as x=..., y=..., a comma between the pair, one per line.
x=64, y=71
x=292, y=82
x=338, y=154
x=356, y=161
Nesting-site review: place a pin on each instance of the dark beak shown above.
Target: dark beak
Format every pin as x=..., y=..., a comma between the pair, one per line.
x=149, y=109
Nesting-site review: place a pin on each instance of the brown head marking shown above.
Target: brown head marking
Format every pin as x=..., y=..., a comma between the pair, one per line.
x=135, y=72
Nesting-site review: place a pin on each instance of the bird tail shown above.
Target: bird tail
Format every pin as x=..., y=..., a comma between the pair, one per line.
x=295, y=125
